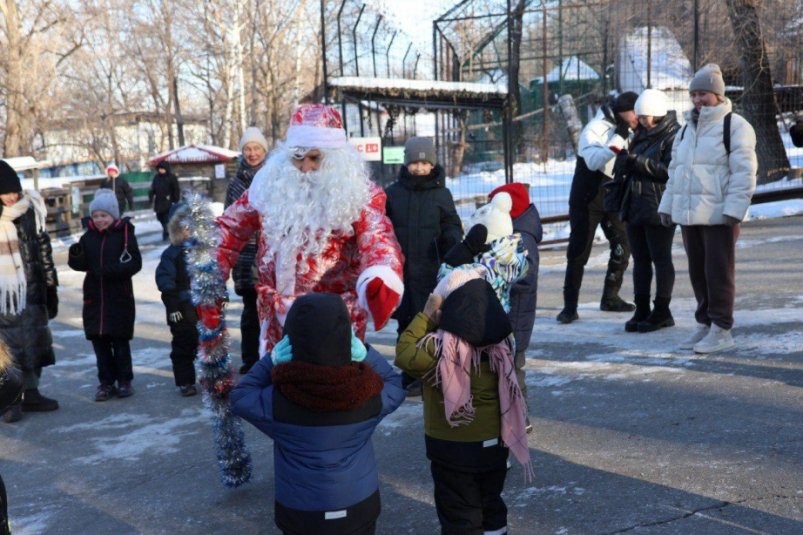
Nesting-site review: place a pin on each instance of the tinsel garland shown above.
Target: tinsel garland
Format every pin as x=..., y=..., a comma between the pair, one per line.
x=216, y=376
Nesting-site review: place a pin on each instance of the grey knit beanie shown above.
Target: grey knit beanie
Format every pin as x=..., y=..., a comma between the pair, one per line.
x=708, y=78
x=419, y=149
x=105, y=201
x=253, y=134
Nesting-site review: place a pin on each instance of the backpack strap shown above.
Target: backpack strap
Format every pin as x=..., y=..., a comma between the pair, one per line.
x=726, y=132
x=683, y=131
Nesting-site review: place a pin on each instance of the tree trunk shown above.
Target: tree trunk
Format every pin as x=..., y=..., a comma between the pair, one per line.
x=517, y=127
x=758, y=99
x=14, y=91
x=458, y=146
x=573, y=123
x=179, y=117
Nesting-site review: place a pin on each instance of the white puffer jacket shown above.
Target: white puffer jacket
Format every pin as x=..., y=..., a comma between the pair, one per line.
x=704, y=183
x=595, y=141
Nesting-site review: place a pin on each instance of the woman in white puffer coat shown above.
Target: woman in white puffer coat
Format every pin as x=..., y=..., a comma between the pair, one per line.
x=708, y=193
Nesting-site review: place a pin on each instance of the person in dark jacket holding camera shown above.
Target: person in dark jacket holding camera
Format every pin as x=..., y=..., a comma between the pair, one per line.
x=426, y=224
x=173, y=281
x=602, y=136
x=163, y=193
x=644, y=170
x=28, y=283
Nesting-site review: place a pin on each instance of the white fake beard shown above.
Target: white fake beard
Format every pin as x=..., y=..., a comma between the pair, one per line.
x=300, y=211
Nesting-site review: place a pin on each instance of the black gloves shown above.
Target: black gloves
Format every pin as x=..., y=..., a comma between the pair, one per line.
x=622, y=128
x=76, y=250
x=52, y=302
x=472, y=245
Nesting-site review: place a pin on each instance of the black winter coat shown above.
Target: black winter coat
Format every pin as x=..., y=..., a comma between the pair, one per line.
x=173, y=281
x=427, y=225
x=122, y=190
x=524, y=293
x=646, y=170
x=109, y=308
x=27, y=335
x=164, y=191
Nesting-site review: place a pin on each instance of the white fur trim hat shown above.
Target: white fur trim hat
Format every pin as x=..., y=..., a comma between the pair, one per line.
x=651, y=102
x=105, y=201
x=316, y=126
x=495, y=216
x=253, y=134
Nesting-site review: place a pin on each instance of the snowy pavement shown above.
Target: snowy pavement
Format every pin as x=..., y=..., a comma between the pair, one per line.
x=631, y=434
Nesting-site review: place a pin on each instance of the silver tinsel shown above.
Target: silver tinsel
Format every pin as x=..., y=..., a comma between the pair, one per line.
x=216, y=377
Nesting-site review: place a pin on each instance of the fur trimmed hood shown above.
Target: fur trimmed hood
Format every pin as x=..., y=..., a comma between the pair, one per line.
x=178, y=221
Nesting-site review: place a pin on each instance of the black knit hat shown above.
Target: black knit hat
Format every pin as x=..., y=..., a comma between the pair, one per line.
x=474, y=313
x=9, y=180
x=319, y=328
x=625, y=102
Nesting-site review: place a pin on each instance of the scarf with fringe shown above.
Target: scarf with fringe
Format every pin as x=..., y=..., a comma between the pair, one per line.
x=13, y=285
x=327, y=388
x=457, y=360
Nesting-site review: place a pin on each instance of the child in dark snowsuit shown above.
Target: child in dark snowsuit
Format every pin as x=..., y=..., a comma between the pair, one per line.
x=461, y=347
x=319, y=395
x=109, y=254
x=174, y=283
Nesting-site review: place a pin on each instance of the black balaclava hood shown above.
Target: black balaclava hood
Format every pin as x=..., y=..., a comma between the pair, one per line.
x=474, y=313
x=319, y=328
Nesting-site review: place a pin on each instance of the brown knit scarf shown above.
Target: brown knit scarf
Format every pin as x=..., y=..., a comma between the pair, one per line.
x=327, y=388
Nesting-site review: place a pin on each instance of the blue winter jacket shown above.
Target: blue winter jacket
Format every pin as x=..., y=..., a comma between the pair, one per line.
x=524, y=293
x=317, y=467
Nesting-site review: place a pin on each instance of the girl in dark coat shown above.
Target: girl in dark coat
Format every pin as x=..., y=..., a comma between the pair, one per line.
x=28, y=284
x=163, y=194
x=109, y=254
x=645, y=168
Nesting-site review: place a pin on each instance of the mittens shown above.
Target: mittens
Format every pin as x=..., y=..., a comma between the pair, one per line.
x=382, y=301
x=472, y=245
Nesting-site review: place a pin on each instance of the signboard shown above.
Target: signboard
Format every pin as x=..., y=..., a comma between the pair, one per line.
x=220, y=171
x=369, y=147
x=393, y=155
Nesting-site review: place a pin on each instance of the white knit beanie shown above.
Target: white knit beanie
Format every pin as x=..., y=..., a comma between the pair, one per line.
x=105, y=201
x=495, y=216
x=253, y=134
x=651, y=102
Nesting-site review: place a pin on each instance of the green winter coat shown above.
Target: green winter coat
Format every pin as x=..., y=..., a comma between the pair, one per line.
x=420, y=361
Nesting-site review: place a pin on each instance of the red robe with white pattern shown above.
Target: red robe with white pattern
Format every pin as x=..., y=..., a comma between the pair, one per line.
x=372, y=243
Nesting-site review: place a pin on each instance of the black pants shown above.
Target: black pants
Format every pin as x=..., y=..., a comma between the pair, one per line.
x=184, y=349
x=652, y=246
x=712, y=269
x=469, y=503
x=249, y=327
x=163, y=218
x=114, y=360
x=4, y=529
x=583, y=221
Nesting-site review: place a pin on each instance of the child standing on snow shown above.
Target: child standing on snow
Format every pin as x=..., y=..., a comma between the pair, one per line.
x=174, y=283
x=461, y=347
x=319, y=395
x=109, y=254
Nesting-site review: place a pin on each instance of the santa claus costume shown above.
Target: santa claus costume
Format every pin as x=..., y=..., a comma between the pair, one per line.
x=321, y=231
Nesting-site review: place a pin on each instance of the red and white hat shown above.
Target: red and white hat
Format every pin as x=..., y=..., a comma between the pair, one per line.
x=316, y=126
x=111, y=168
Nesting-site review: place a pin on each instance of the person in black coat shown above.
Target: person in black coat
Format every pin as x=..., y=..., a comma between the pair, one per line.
x=173, y=281
x=28, y=282
x=163, y=193
x=644, y=167
x=426, y=224
x=109, y=254
x=10, y=393
x=121, y=188
x=524, y=293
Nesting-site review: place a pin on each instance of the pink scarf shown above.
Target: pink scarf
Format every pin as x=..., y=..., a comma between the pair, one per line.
x=457, y=359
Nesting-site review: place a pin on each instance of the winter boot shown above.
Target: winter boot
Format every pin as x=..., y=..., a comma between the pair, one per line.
x=611, y=302
x=718, y=339
x=105, y=392
x=568, y=315
x=188, y=390
x=659, y=317
x=33, y=401
x=124, y=389
x=699, y=334
x=641, y=314
x=13, y=414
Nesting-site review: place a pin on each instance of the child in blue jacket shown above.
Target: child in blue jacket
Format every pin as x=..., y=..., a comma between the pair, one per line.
x=319, y=395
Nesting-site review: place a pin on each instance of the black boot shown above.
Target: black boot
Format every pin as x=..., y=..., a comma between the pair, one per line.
x=611, y=302
x=659, y=318
x=13, y=414
x=641, y=314
x=33, y=401
x=569, y=312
